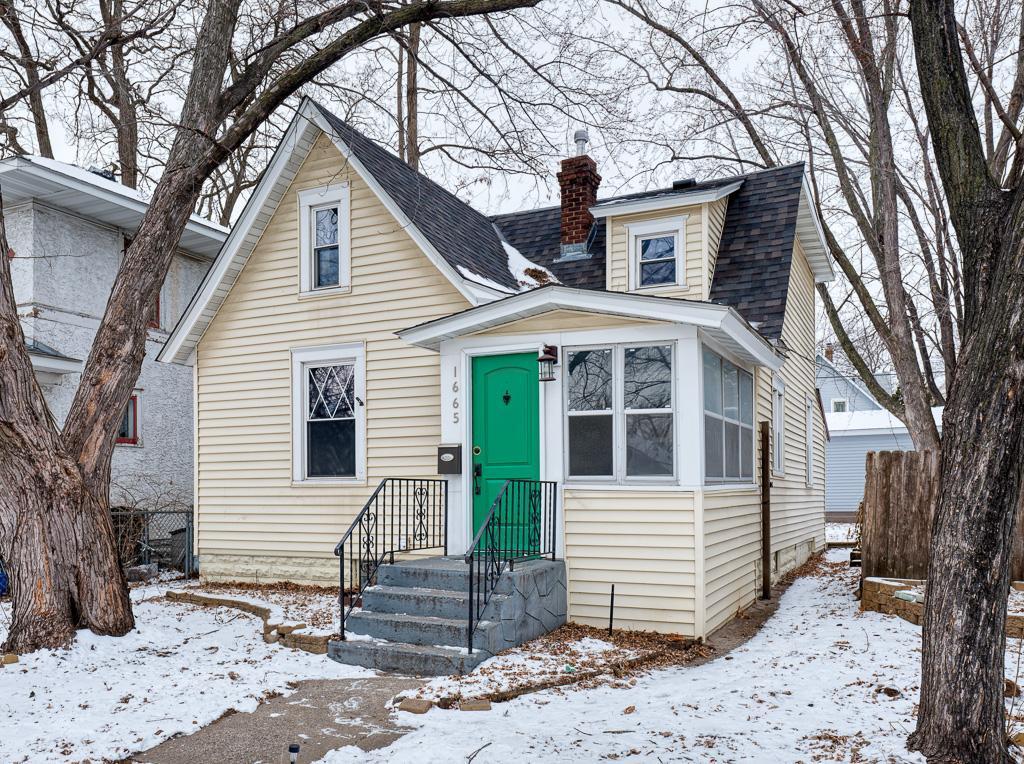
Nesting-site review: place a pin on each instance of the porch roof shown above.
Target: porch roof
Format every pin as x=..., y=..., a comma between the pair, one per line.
x=720, y=322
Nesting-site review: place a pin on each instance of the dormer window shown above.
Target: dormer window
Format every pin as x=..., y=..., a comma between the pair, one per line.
x=324, y=240
x=656, y=253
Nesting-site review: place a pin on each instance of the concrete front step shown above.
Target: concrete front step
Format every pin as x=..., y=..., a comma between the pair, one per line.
x=447, y=573
x=436, y=603
x=418, y=629
x=412, y=660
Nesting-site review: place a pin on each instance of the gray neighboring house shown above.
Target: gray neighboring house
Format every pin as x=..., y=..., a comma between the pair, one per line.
x=857, y=424
x=67, y=229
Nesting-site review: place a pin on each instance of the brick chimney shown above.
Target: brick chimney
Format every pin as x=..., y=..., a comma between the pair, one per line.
x=578, y=182
x=830, y=351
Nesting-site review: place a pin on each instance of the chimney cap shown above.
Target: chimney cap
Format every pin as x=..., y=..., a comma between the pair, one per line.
x=683, y=183
x=582, y=138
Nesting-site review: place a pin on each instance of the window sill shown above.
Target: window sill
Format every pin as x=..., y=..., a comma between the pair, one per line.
x=126, y=444
x=307, y=482
x=595, y=485
x=659, y=288
x=314, y=294
x=714, y=487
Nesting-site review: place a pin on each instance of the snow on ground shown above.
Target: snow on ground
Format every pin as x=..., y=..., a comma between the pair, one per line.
x=840, y=531
x=820, y=682
x=180, y=669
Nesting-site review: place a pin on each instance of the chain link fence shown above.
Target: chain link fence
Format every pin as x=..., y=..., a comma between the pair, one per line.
x=155, y=537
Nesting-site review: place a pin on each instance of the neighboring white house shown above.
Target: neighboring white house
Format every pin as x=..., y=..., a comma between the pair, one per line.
x=67, y=229
x=627, y=349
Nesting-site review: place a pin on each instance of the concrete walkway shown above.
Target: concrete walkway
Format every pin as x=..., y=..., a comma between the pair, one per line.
x=320, y=715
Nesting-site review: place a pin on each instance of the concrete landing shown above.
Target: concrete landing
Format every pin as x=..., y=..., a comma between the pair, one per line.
x=321, y=715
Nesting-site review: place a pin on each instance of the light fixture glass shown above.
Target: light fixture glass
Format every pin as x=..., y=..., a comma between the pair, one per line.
x=546, y=363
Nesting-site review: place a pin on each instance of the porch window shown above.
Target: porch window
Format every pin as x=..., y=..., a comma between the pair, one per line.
x=328, y=414
x=779, y=426
x=619, y=406
x=324, y=239
x=728, y=421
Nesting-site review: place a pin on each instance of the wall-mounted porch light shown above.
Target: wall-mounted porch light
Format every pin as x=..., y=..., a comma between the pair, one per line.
x=546, y=363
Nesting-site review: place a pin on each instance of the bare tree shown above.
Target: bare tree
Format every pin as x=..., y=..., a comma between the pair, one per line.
x=55, y=528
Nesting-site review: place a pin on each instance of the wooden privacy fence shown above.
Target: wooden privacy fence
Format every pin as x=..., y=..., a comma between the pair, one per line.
x=901, y=489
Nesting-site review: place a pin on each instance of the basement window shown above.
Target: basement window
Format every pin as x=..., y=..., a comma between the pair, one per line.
x=325, y=265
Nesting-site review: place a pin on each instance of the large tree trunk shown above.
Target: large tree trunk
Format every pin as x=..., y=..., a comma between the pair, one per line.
x=961, y=717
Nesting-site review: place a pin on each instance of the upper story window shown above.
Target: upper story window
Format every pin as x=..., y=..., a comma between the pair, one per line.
x=657, y=253
x=128, y=432
x=728, y=421
x=154, y=316
x=839, y=406
x=325, y=263
x=619, y=407
x=328, y=388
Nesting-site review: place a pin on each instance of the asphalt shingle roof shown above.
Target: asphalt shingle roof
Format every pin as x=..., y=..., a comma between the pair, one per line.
x=754, y=256
x=756, y=250
x=462, y=236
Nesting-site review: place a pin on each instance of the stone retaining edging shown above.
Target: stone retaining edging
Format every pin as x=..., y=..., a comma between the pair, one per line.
x=893, y=596
x=289, y=634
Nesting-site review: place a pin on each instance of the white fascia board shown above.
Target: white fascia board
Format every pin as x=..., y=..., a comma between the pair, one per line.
x=472, y=293
x=39, y=168
x=716, y=318
x=812, y=236
x=173, y=350
x=682, y=199
x=51, y=365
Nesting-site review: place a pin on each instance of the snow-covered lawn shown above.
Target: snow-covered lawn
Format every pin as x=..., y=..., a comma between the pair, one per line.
x=840, y=531
x=820, y=682
x=314, y=607
x=182, y=668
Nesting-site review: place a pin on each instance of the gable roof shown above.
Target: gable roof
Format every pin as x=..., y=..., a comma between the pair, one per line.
x=463, y=236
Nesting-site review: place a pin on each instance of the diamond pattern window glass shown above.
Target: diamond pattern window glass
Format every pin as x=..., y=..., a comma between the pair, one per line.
x=326, y=271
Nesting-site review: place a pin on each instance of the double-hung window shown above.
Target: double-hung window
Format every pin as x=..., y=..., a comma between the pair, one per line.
x=128, y=432
x=656, y=253
x=728, y=421
x=809, y=438
x=327, y=397
x=324, y=239
x=619, y=407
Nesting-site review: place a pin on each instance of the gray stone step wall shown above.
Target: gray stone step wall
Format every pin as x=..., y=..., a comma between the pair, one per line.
x=414, y=620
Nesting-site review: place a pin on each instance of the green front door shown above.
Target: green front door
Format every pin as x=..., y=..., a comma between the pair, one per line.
x=506, y=426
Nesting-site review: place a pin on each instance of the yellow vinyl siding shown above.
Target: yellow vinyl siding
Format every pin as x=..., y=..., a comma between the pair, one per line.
x=563, y=320
x=696, y=268
x=249, y=511
x=732, y=518
x=715, y=223
x=641, y=541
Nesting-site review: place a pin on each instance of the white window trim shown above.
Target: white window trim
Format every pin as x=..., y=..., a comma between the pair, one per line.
x=809, y=438
x=618, y=412
x=779, y=427
x=354, y=353
x=845, y=403
x=675, y=226
x=728, y=481
x=310, y=199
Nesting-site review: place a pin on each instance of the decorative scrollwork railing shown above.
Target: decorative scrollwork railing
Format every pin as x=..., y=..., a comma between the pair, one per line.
x=520, y=526
x=402, y=515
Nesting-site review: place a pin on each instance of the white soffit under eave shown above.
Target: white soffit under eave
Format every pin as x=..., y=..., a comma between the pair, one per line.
x=258, y=211
x=721, y=322
x=812, y=237
x=51, y=365
x=670, y=200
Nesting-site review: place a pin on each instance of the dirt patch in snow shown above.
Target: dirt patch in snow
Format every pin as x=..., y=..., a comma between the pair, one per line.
x=315, y=606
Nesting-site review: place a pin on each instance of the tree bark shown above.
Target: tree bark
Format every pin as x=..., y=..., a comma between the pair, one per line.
x=962, y=711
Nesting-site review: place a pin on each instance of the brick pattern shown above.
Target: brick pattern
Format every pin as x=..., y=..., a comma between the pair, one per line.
x=879, y=594
x=578, y=181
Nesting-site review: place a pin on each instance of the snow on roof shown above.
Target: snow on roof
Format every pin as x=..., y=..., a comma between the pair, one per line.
x=870, y=422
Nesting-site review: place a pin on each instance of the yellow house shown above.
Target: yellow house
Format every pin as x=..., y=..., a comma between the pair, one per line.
x=587, y=385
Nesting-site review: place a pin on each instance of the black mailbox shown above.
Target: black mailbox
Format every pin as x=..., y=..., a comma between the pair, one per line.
x=449, y=460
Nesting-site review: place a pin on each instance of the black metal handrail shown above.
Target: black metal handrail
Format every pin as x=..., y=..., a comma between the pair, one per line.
x=402, y=515
x=520, y=526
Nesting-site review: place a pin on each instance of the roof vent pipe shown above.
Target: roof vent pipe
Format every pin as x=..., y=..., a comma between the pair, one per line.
x=582, y=138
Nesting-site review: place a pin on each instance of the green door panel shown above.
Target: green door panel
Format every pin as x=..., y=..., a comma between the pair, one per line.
x=506, y=425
